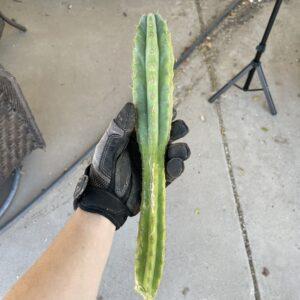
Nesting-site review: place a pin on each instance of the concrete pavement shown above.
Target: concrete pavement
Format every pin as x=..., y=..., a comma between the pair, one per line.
x=264, y=150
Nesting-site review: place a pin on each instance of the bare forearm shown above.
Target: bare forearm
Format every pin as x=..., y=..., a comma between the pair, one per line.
x=72, y=266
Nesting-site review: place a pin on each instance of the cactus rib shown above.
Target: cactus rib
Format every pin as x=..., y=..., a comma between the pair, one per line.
x=153, y=97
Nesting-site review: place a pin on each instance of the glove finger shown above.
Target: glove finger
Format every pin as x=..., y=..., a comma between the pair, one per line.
x=178, y=130
x=174, y=169
x=126, y=118
x=178, y=150
x=135, y=155
x=113, y=142
x=134, y=200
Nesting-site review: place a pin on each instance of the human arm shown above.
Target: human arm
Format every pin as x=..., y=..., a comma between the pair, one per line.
x=71, y=268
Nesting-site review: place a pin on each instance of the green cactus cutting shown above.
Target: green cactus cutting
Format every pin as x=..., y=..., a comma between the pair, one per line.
x=152, y=71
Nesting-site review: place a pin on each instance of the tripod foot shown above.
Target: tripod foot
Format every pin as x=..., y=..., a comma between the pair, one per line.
x=212, y=99
x=230, y=83
x=266, y=90
x=12, y=22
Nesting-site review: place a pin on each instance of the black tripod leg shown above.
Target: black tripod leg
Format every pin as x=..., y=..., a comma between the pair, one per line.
x=12, y=22
x=230, y=83
x=266, y=90
x=249, y=79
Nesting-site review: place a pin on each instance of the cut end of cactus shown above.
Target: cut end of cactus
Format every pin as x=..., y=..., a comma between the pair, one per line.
x=146, y=295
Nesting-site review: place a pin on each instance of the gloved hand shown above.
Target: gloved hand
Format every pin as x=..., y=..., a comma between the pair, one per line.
x=112, y=184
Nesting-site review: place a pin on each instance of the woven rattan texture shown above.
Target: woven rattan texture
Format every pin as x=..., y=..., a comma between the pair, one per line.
x=19, y=134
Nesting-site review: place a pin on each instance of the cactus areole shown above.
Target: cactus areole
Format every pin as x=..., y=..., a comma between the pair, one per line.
x=152, y=71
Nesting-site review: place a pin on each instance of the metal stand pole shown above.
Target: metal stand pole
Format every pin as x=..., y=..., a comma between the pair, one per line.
x=12, y=22
x=254, y=65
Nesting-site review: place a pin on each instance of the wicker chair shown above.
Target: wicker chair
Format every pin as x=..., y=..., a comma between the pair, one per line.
x=19, y=134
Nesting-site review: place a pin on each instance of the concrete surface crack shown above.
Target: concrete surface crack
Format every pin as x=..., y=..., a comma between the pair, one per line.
x=208, y=58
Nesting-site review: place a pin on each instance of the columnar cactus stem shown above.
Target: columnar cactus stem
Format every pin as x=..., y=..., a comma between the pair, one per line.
x=153, y=97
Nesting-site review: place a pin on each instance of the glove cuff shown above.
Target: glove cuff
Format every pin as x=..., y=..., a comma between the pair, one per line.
x=99, y=201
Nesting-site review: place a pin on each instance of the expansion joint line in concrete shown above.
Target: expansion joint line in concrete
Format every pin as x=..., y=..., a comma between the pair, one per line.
x=214, y=84
x=237, y=201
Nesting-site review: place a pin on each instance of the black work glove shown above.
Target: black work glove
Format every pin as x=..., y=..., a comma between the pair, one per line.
x=112, y=184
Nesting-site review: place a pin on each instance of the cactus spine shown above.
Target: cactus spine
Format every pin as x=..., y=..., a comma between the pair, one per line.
x=152, y=70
